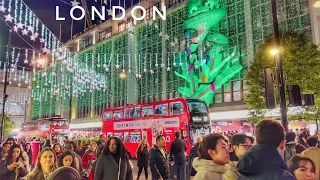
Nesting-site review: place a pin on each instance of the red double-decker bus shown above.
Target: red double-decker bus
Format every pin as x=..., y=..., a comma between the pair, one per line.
x=54, y=127
x=133, y=123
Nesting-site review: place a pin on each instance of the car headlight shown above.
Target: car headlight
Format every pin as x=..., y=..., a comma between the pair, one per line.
x=205, y=118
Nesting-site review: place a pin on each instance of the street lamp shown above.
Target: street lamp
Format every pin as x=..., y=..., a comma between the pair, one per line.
x=123, y=75
x=274, y=51
x=317, y=4
x=279, y=66
x=41, y=61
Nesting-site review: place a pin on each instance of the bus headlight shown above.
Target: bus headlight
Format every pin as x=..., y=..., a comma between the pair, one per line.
x=205, y=118
x=196, y=119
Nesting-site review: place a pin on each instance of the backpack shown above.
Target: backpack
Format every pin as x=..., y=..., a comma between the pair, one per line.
x=289, y=152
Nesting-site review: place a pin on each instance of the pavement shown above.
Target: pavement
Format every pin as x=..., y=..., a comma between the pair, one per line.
x=142, y=176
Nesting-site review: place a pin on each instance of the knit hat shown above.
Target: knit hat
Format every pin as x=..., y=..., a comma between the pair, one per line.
x=63, y=173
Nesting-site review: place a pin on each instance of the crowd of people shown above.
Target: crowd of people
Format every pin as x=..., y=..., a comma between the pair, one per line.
x=271, y=154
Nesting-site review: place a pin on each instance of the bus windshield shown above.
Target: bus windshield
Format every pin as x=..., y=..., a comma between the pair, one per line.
x=197, y=106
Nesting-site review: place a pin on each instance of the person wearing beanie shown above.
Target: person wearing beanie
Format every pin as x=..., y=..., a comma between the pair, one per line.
x=65, y=172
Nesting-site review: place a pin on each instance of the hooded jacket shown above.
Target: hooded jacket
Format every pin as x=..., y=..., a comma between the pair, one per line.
x=263, y=162
x=208, y=170
x=65, y=172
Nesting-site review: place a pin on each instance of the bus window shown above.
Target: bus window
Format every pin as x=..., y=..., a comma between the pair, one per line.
x=135, y=112
x=126, y=113
x=107, y=115
x=147, y=111
x=162, y=110
x=117, y=115
x=197, y=106
x=176, y=108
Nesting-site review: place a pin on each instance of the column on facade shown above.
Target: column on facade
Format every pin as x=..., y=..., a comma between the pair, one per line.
x=164, y=56
x=249, y=34
x=132, y=84
x=113, y=74
x=92, y=107
x=315, y=22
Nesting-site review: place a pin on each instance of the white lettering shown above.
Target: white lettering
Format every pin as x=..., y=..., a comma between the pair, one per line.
x=134, y=15
x=156, y=10
x=102, y=15
x=114, y=13
x=58, y=18
x=82, y=13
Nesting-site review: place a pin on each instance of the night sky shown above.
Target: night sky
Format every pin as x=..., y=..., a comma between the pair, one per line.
x=45, y=10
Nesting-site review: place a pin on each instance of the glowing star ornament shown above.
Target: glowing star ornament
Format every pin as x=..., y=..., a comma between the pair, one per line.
x=36, y=34
x=105, y=2
x=172, y=44
x=117, y=66
x=162, y=64
x=20, y=25
x=75, y=3
x=19, y=84
x=25, y=32
x=9, y=18
x=168, y=68
x=157, y=65
x=2, y=9
x=29, y=87
x=33, y=38
x=26, y=82
x=42, y=40
x=15, y=28
x=109, y=12
x=30, y=28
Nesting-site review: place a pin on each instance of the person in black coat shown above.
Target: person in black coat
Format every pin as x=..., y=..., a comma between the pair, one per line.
x=177, y=153
x=158, y=160
x=264, y=161
x=143, y=158
x=14, y=166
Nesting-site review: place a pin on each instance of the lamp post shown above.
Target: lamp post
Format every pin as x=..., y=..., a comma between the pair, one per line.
x=123, y=75
x=279, y=66
x=5, y=96
x=317, y=4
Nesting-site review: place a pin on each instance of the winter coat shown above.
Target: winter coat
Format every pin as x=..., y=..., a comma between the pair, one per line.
x=158, y=164
x=107, y=168
x=78, y=163
x=143, y=157
x=232, y=171
x=63, y=173
x=6, y=174
x=193, y=154
x=314, y=154
x=177, y=151
x=263, y=162
x=208, y=170
x=82, y=152
x=87, y=164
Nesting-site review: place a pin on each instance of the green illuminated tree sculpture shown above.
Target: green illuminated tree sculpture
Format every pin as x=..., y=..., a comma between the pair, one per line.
x=215, y=69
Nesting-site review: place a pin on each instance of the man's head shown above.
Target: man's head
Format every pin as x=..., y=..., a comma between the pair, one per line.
x=10, y=141
x=5, y=147
x=103, y=138
x=271, y=133
x=161, y=141
x=69, y=146
x=312, y=141
x=177, y=134
x=290, y=136
x=240, y=143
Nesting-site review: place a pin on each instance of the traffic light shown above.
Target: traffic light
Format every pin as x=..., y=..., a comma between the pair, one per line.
x=294, y=95
x=307, y=99
x=269, y=92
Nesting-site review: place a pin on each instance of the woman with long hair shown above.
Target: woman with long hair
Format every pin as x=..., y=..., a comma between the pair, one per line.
x=115, y=159
x=80, y=148
x=88, y=159
x=303, y=168
x=57, y=149
x=28, y=151
x=14, y=166
x=143, y=157
x=46, y=164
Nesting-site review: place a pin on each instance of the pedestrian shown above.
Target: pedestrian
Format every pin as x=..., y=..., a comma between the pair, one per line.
x=143, y=158
x=194, y=154
x=4, y=151
x=65, y=172
x=57, y=149
x=71, y=146
x=159, y=160
x=240, y=144
x=88, y=159
x=303, y=137
x=115, y=160
x=14, y=166
x=80, y=148
x=177, y=154
x=264, y=161
x=28, y=151
x=313, y=152
x=46, y=164
x=67, y=159
x=292, y=148
x=303, y=168
x=213, y=156
x=102, y=140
